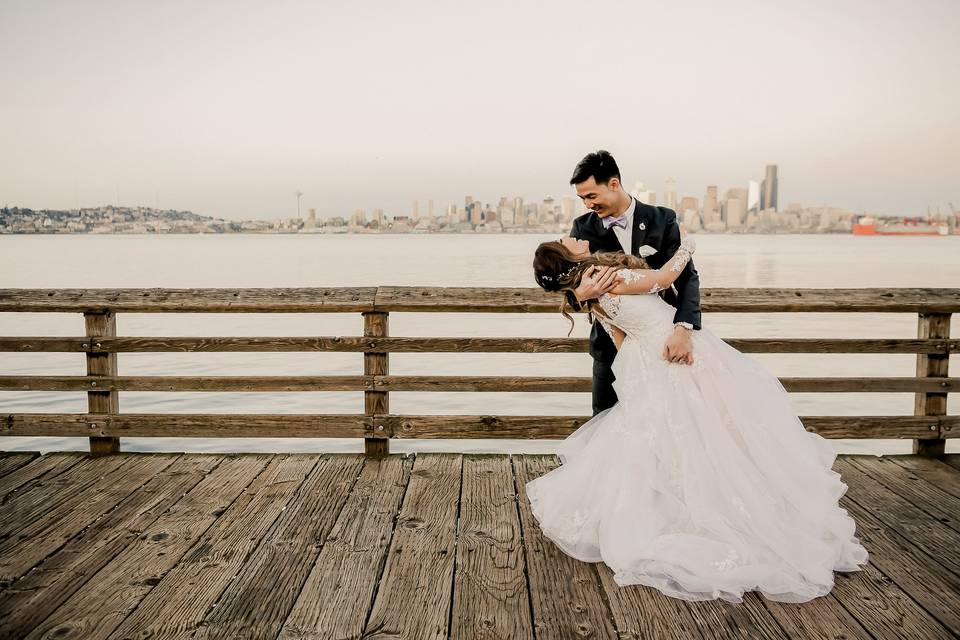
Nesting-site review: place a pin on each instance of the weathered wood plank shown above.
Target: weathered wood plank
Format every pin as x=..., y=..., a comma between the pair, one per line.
x=258, y=600
x=936, y=472
x=180, y=601
x=901, y=515
x=189, y=425
x=643, y=612
x=26, y=602
x=940, y=504
x=564, y=384
x=159, y=300
x=567, y=598
x=382, y=383
x=925, y=580
x=583, y=384
x=41, y=469
x=490, y=598
x=31, y=543
x=22, y=508
x=414, y=597
x=179, y=344
x=823, y=618
x=883, y=608
x=376, y=402
x=422, y=426
x=952, y=459
x=936, y=366
x=11, y=461
x=744, y=621
x=447, y=299
x=525, y=300
x=99, y=366
x=346, y=573
x=553, y=427
x=640, y=612
x=186, y=383
x=102, y=603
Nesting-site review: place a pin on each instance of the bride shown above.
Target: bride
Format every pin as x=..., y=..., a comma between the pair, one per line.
x=700, y=481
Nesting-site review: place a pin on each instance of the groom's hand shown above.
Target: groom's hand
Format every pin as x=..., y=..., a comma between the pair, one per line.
x=596, y=282
x=679, y=347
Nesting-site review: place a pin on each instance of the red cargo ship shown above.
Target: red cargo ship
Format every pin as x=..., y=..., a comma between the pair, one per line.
x=868, y=226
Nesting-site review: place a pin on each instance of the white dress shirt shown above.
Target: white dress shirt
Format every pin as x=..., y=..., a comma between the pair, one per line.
x=625, y=236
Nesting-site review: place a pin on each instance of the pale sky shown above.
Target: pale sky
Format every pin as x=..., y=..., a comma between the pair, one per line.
x=228, y=108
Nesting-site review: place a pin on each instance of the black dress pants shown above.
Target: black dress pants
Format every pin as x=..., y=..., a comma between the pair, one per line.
x=604, y=396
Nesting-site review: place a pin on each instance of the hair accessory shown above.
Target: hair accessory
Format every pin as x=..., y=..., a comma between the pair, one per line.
x=548, y=278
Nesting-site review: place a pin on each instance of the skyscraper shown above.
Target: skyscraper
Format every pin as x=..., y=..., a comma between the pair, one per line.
x=671, y=194
x=642, y=194
x=711, y=210
x=753, y=195
x=568, y=208
x=733, y=210
x=768, y=189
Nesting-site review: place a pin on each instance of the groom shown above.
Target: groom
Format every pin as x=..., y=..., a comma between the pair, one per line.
x=618, y=222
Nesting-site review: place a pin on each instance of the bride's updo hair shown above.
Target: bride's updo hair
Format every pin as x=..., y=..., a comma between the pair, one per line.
x=555, y=269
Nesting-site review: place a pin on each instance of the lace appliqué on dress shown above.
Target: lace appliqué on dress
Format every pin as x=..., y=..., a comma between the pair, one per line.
x=611, y=304
x=683, y=255
x=729, y=562
x=632, y=275
x=635, y=275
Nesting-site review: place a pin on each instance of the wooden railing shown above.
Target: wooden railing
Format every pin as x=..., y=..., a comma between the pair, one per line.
x=104, y=425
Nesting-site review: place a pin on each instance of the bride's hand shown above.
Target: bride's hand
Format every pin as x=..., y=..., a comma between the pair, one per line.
x=597, y=281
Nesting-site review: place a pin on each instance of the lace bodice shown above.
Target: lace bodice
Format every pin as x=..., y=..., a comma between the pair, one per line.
x=635, y=314
x=638, y=311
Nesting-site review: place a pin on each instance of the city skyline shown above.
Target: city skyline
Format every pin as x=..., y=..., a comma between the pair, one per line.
x=231, y=112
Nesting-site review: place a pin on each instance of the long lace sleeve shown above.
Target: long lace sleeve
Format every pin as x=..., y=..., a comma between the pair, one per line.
x=656, y=280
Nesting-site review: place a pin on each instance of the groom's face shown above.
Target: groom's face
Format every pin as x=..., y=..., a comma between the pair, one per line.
x=601, y=198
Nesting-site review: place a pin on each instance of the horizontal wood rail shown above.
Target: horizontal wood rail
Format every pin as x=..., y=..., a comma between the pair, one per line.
x=324, y=425
x=452, y=299
x=104, y=425
x=547, y=384
x=82, y=344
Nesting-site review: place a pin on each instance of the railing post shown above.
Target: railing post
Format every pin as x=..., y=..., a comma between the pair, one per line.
x=376, y=325
x=102, y=324
x=933, y=365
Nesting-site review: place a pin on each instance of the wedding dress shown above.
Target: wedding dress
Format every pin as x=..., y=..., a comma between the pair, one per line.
x=700, y=481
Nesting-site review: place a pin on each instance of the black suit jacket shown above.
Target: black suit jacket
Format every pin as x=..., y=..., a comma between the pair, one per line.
x=661, y=231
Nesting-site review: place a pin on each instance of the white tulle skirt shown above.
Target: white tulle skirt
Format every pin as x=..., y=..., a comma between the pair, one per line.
x=700, y=482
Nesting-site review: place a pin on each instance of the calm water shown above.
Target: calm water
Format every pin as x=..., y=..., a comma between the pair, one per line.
x=432, y=260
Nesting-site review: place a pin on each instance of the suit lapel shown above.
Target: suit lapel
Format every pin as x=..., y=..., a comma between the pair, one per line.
x=638, y=235
x=606, y=239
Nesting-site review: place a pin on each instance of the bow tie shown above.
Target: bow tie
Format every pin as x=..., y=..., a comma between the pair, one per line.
x=610, y=221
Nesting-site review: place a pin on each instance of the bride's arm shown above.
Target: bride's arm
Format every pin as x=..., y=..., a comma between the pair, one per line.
x=654, y=280
x=618, y=335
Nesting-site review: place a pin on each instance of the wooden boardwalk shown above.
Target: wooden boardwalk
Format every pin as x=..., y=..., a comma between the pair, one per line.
x=428, y=546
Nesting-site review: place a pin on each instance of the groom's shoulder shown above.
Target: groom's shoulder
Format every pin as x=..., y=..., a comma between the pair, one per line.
x=658, y=213
x=583, y=220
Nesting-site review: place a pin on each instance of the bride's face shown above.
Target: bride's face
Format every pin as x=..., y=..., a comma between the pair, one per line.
x=579, y=248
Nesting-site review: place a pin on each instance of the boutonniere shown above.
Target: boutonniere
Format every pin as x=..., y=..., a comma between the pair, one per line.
x=641, y=226
x=646, y=250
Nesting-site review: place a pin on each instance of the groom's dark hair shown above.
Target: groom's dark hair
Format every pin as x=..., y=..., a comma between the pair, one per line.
x=599, y=164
